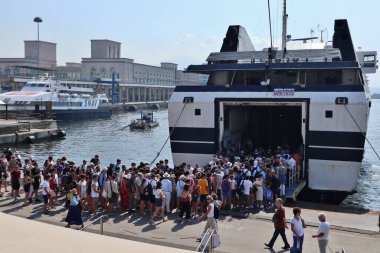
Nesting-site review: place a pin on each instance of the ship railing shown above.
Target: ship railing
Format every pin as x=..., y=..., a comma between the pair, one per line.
x=292, y=175
x=277, y=60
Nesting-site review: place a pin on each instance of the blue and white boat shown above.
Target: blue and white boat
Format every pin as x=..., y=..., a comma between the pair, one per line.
x=48, y=98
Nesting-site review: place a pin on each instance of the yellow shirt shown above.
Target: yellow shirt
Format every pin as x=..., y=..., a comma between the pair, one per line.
x=203, y=186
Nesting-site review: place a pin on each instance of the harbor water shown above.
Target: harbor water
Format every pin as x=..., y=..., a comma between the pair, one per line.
x=103, y=136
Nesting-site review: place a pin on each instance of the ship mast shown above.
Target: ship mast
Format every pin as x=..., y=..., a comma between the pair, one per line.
x=284, y=28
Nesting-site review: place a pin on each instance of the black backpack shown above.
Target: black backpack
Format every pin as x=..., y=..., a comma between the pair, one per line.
x=257, y=174
x=216, y=212
x=149, y=188
x=240, y=185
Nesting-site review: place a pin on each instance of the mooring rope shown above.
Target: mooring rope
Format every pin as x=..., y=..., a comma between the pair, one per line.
x=170, y=134
x=352, y=117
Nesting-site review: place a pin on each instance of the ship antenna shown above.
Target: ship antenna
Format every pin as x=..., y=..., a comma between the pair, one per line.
x=284, y=29
x=271, y=38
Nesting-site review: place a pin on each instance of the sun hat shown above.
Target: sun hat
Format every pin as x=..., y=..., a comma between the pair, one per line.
x=166, y=175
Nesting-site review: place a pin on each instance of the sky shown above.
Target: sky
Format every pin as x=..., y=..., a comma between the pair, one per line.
x=183, y=32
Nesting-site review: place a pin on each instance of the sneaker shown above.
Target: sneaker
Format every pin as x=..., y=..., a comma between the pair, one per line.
x=286, y=247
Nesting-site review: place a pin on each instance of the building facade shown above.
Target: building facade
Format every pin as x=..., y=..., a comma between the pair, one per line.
x=137, y=82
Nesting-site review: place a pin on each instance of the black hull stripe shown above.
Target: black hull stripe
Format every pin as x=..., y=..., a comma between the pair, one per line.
x=347, y=155
x=316, y=138
x=193, y=148
x=259, y=88
x=192, y=134
x=336, y=139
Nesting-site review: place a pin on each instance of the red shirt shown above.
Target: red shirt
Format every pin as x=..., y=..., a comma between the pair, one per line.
x=297, y=157
x=52, y=183
x=280, y=213
x=15, y=175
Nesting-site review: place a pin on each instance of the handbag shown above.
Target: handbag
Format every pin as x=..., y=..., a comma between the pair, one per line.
x=275, y=219
x=215, y=240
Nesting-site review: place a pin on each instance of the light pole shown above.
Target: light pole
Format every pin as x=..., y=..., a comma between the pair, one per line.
x=38, y=20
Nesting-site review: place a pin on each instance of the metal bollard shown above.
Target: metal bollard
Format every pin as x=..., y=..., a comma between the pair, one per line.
x=101, y=225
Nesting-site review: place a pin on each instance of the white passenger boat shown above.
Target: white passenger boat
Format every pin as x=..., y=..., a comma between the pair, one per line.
x=313, y=97
x=47, y=97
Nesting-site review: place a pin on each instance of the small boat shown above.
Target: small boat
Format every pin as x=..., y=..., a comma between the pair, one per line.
x=146, y=122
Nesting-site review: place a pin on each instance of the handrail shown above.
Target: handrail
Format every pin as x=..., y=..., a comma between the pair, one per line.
x=208, y=240
x=208, y=231
x=92, y=222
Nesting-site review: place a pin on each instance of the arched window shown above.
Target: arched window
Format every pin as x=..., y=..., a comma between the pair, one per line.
x=93, y=73
x=111, y=71
x=103, y=72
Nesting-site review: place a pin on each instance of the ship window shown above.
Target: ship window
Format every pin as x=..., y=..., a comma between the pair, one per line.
x=369, y=58
x=328, y=114
x=197, y=112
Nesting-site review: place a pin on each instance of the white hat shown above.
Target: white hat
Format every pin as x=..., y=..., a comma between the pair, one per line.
x=166, y=175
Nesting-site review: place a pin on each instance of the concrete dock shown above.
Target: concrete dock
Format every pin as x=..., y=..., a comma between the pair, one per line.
x=247, y=232
x=18, y=131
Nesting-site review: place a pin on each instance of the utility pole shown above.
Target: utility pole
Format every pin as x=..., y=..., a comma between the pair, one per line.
x=38, y=20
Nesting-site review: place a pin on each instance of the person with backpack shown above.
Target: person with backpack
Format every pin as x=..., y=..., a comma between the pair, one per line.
x=246, y=185
x=211, y=222
x=149, y=185
x=226, y=192
x=279, y=225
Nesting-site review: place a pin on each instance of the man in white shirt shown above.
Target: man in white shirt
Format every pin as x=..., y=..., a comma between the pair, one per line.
x=247, y=190
x=323, y=233
x=189, y=169
x=46, y=193
x=167, y=188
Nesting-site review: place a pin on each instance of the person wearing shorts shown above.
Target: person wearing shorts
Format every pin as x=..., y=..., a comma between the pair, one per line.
x=15, y=181
x=46, y=193
x=27, y=184
x=95, y=193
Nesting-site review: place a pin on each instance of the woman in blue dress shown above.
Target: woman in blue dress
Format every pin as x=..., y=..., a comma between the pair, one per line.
x=74, y=216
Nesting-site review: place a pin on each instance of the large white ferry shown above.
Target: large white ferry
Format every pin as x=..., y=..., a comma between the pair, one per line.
x=48, y=98
x=314, y=97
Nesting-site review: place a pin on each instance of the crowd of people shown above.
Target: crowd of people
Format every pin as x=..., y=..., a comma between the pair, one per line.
x=228, y=181
x=247, y=181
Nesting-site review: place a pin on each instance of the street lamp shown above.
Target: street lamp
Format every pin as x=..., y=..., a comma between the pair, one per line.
x=38, y=20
